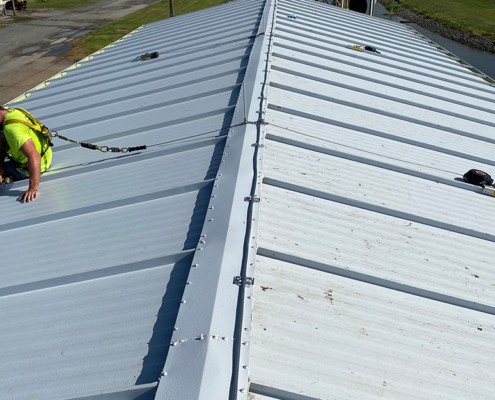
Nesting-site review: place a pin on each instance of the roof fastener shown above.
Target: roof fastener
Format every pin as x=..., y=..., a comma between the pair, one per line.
x=242, y=390
x=183, y=301
x=195, y=265
x=176, y=328
x=245, y=367
x=254, y=199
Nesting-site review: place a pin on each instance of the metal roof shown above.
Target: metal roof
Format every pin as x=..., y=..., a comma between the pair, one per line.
x=93, y=272
x=373, y=275
x=130, y=276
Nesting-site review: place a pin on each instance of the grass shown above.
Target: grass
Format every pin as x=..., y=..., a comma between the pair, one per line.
x=113, y=31
x=61, y=4
x=473, y=16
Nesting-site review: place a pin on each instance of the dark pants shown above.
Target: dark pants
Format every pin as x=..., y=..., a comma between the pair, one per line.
x=16, y=174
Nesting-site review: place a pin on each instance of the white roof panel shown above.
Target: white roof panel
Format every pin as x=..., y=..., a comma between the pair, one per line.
x=373, y=275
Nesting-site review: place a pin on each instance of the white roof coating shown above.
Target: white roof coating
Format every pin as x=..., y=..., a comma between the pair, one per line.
x=373, y=277
x=331, y=176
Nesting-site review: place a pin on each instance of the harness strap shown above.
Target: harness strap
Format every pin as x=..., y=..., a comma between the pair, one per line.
x=37, y=126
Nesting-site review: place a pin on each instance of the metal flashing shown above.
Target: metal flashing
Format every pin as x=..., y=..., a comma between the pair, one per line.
x=202, y=353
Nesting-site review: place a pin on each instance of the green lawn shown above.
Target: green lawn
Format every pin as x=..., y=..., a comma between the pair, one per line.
x=61, y=4
x=473, y=16
x=115, y=30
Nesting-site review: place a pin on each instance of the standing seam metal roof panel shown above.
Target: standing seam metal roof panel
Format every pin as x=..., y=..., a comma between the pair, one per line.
x=93, y=272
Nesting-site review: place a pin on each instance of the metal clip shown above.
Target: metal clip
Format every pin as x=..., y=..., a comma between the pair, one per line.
x=253, y=199
x=248, y=281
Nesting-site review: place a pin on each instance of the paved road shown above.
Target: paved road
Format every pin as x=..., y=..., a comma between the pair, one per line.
x=28, y=51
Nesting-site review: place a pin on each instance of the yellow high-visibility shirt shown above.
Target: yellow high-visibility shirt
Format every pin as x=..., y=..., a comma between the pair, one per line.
x=17, y=134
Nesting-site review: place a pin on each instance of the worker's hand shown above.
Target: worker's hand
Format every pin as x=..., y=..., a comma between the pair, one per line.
x=29, y=195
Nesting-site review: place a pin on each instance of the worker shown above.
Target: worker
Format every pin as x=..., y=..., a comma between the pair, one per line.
x=29, y=152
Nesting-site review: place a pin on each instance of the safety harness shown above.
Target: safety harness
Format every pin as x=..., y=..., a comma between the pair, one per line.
x=49, y=135
x=38, y=127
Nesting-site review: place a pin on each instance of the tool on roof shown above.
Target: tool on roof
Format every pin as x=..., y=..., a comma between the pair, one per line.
x=358, y=47
x=149, y=56
x=372, y=49
x=480, y=178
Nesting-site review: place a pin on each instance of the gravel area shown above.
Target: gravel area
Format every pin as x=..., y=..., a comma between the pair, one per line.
x=477, y=42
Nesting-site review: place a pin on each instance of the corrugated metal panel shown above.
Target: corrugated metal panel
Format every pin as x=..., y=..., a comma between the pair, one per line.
x=328, y=337
x=93, y=271
x=373, y=275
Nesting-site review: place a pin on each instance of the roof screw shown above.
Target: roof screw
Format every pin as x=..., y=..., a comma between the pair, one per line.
x=246, y=329
x=211, y=219
x=245, y=343
x=214, y=195
x=250, y=297
x=188, y=283
x=224, y=338
x=202, y=241
x=183, y=301
x=215, y=337
x=199, y=248
x=212, y=208
x=216, y=185
x=176, y=328
x=242, y=390
x=195, y=265
x=245, y=367
x=164, y=373
x=203, y=235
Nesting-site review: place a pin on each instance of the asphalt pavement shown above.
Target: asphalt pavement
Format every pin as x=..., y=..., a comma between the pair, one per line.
x=34, y=49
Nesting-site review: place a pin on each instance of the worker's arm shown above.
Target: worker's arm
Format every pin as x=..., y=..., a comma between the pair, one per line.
x=3, y=154
x=34, y=167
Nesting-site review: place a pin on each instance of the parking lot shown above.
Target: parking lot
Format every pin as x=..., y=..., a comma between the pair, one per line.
x=35, y=43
